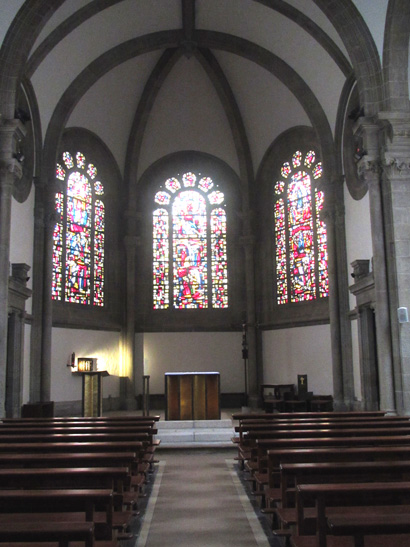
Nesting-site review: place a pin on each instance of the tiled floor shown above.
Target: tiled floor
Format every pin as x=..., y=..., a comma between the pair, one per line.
x=198, y=499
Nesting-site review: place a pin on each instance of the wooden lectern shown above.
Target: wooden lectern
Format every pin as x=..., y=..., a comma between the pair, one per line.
x=192, y=396
x=92, y=392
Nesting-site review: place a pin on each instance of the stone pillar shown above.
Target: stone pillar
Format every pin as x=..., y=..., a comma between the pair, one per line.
x=252, y=365
x=395, y=164
x=11, y=132
x=132, y=372
x=363, y=290
x=369, y=170
x=18, y=294
x=37, y=300
x=47, y=310
x=343, y=382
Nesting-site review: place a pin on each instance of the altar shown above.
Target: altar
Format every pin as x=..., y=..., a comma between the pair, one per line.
x=192, y=396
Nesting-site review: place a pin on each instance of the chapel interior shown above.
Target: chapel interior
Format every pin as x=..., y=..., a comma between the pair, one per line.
x=210, y=186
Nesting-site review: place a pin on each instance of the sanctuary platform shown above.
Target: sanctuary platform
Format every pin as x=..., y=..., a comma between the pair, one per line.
x=195, y=433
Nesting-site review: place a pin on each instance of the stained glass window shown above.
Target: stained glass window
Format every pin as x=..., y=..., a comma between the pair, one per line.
x=300, y=233
x=189, y=245
x=79, y=233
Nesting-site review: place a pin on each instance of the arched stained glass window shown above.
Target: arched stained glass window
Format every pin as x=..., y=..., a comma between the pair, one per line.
x=79, y=233
x=189, y=245
x=300, y=234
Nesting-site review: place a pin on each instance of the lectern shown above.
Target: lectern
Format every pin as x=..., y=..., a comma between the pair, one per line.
x=92, y=392
x=192, y=396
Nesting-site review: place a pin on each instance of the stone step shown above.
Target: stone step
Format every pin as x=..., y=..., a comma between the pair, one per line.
x=193, y=424
x=190, y=433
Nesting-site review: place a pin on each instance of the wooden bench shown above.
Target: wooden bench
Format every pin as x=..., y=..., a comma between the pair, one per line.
x=263, y=445
x=355, y=496
x=118, y=479
x=80, y=427
x=73, y=437
x=257, y=465
x=379, y=526
x=297, y=415
x=291, y=475
x=61, y=532
x=89, y=419
x=55, y=447
x=276, y=458
x=49, y=501
x=68, y=459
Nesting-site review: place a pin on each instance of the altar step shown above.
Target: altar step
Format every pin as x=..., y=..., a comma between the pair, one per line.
x=195, y=433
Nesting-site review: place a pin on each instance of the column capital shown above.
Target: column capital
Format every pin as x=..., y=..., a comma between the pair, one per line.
x=395, y=143
x=11, y=171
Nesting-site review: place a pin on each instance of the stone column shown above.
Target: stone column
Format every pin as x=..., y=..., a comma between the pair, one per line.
x=252, y=366
x=18, y=294
x=395, y=164
x=333, y=214
x=37, y=300
x=11, y=132
x=131, y=381
x=369, y=171
x=47, y=310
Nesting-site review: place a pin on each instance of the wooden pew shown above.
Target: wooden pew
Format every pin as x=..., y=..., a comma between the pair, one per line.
x=74, y=437
x=384, y=525
x=84, y=419
x=276, y=458
x=89, y=446
x=248, y=432
x=78, y=426
x=318, y=424
x=263, y=445
x=68, y=459
x=115, y=478
x=50, y=501
x=93, y=439
x=117, y=432
x=295, y=415
x=355, y=496
x=291, y=475
x=258, y=465
x=118, y=479
x=34, y=532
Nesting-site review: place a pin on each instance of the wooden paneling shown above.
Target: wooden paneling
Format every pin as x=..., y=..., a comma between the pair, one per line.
x=192, y=396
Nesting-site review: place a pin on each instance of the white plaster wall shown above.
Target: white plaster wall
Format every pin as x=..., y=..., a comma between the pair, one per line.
x=195, y=351
x=26, y=365
x=358, y=234
x=301, y=350
x=356, y=361
x=374, y=14
x=9, y=9
x=22, y=235
x=187, y=115
x=66, y=386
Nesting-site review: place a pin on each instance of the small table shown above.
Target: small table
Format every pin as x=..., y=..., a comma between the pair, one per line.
x=192, y=396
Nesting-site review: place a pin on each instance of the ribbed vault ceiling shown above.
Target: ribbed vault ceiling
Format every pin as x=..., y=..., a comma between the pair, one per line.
x=152, y=77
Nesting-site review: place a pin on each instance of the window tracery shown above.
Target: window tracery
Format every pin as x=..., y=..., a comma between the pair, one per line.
x=79, y=233
x=189, y=244
x=300, y=233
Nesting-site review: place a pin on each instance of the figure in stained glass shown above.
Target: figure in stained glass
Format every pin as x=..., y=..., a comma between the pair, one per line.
x=79, y=235
x=194, y=233
x=300, y=234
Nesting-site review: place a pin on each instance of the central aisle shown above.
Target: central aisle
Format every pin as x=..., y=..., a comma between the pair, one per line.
x=198, y=500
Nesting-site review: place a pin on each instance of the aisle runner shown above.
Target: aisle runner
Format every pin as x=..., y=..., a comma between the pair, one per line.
x=198, y=500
